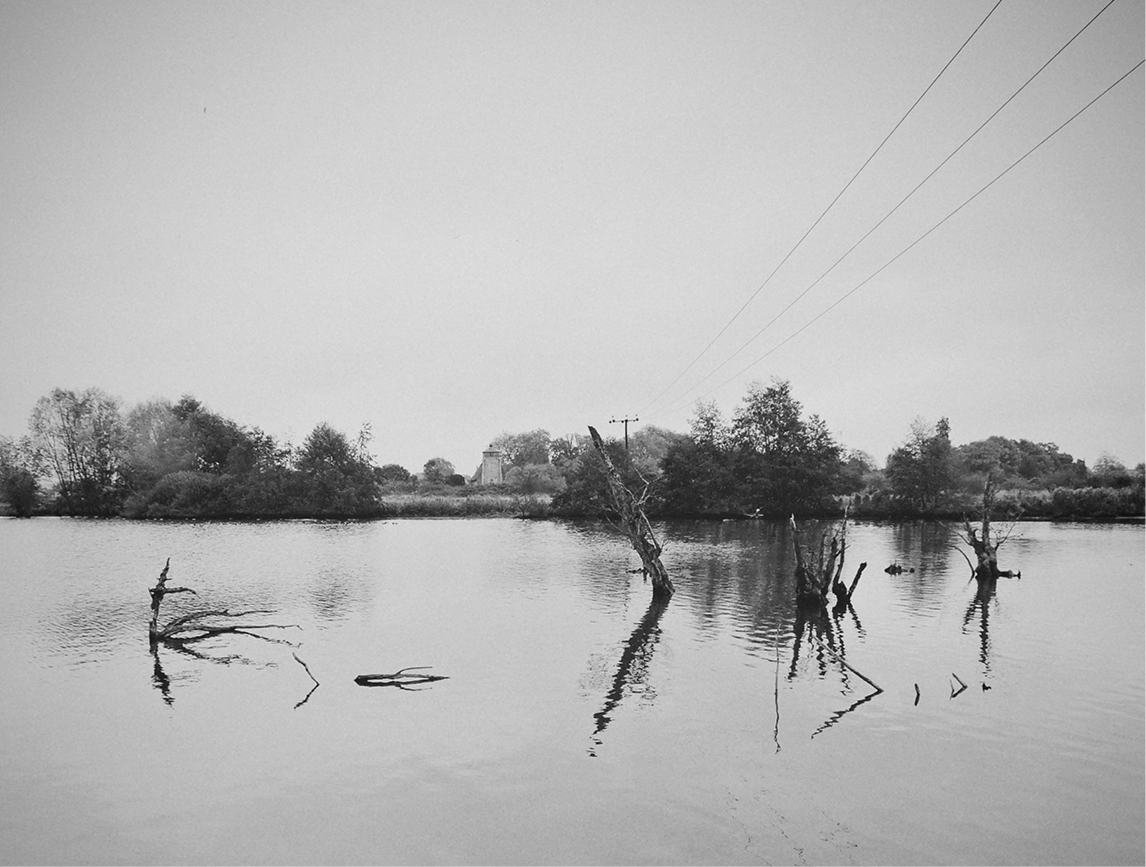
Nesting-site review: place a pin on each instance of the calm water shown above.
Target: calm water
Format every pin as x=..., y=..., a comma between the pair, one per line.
x=578, y=725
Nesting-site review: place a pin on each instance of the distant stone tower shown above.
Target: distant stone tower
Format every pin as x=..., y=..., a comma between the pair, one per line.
x=491, y=467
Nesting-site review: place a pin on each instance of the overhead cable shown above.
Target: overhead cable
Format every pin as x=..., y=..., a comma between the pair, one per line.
x=831, y=204
x=968, y=201
x=914, y=190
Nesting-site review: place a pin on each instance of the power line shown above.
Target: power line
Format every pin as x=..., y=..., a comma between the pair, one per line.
x=886, y=216
x=831, y=204
x=968, y=201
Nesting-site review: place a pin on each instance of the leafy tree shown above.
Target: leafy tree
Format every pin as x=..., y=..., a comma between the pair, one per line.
x=535, y=479
x=1015, y=464
x=699, y=478
x=564, y=451
x=920, y=471
x=392, y=473
x=1109, y=472
x=335, y=480
x=437, y=470
x=768, y=420
x=158, y=443
x=1044, y=463
x=787, y=464
x=83, y=440
x=648, y=448
x=220, y=445
x=19, y=484
x=586, y=489
x=707, y=426
x=858, y=472
x=771, y=459
x=531, y=447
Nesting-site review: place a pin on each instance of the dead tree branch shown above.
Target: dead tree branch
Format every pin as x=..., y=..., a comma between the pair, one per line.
x=202, y=624
x=633, y=521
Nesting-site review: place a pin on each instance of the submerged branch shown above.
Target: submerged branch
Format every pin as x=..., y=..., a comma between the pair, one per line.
x=399, y=678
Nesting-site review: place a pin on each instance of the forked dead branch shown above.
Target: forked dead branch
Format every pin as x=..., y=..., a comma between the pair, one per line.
x=199, y=625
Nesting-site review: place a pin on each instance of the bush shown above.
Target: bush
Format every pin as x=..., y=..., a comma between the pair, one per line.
x=185, y=494
x=535, y=479
x=19, y=487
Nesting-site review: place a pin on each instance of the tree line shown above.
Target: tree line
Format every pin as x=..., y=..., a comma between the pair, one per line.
x=86, y=454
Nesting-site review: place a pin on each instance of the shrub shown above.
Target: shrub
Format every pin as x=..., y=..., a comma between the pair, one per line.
x=19, y=487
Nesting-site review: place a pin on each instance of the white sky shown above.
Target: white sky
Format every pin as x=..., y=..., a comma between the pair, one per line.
x=452, y=219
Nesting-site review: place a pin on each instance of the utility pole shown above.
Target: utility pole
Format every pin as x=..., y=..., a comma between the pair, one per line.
x=625, y=422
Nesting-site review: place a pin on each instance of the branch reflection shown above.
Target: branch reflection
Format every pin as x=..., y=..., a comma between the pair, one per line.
x=162, y=682
x=981, y=603
x=633, y=667
x=826, y=639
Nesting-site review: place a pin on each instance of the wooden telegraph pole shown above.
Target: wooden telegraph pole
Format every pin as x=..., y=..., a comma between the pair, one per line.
x=625, y=422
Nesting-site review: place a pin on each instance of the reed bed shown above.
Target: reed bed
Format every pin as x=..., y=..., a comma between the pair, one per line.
x=474, y=505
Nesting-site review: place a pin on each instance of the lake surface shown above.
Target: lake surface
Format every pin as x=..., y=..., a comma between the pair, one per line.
x=577, y=724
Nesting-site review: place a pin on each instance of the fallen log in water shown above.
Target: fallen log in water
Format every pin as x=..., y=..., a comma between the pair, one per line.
x=399, y=678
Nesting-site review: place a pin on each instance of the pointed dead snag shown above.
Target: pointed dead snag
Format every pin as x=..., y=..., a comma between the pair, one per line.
x=199, y=624
x=634, y=523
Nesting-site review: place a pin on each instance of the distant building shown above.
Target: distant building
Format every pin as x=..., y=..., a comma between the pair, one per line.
x=490, y=471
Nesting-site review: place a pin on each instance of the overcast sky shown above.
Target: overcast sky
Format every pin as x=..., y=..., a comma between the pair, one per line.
x=452, y=219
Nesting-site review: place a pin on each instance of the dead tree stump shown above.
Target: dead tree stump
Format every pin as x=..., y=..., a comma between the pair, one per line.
x=818, y=569
x=983, y=544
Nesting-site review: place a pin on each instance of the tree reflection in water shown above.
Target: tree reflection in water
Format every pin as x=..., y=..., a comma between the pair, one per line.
x=826, y=639
x=981, y=603
x=633, y=668
x=162, y=682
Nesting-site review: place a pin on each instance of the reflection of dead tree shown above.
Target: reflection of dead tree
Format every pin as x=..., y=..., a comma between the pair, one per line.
x=634, y=523
x=201, y=624
x=840, y=714
x=980, y=603
x=829, y=646
x=162, y=682
x=306, y=667
x=159, y=677
x=983, y=544
x=181, y=632
x=634, y=663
